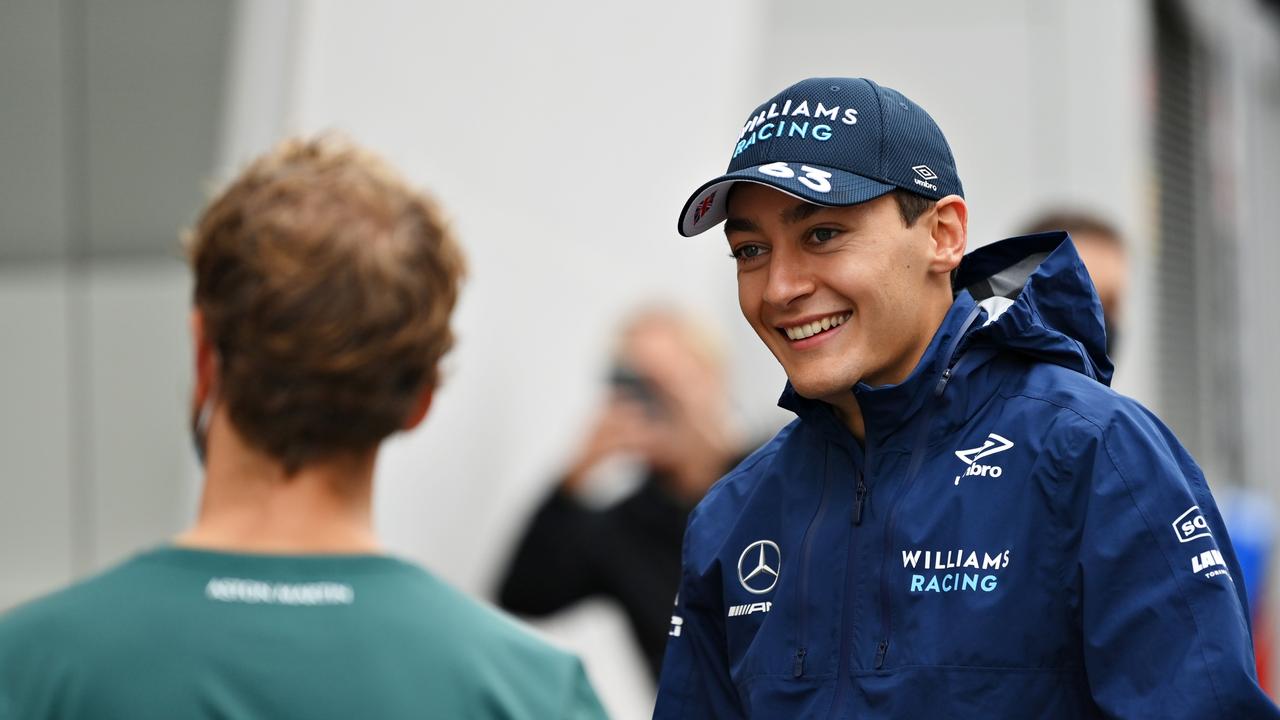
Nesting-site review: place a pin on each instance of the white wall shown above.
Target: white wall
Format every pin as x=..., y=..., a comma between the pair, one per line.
x=94, y=458
x=105, y=139
x=36, y=536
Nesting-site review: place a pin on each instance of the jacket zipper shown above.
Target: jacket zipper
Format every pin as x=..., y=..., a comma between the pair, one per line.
x=860, y=495
x=842, y=670
x=913, y=467
x=797, y=668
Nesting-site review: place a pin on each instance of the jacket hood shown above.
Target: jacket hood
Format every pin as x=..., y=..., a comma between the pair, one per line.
x=1039, y=302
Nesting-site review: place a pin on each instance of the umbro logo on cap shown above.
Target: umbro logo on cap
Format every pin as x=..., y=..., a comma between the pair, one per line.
x=924, y=172
x=831, y=141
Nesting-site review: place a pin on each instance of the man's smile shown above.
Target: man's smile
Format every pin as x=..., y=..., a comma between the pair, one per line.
x=817, y=326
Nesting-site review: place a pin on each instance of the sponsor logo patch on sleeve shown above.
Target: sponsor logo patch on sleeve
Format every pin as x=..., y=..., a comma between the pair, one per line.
x=1191, y=525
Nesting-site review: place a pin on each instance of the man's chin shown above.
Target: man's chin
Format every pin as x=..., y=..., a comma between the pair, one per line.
x=820, y=390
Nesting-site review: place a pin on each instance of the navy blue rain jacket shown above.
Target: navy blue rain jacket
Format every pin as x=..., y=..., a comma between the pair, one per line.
x=1014, y=540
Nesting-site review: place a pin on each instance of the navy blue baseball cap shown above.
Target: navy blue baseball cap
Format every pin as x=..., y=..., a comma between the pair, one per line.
x=832, y=141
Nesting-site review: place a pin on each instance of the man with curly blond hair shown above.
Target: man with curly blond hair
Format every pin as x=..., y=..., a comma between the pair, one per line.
x=324, y=286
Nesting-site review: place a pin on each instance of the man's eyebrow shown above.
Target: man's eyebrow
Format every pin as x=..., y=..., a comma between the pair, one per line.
x=801, y=211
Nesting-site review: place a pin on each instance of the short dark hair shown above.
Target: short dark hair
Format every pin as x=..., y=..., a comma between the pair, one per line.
x=326, y=284
x=910, y=205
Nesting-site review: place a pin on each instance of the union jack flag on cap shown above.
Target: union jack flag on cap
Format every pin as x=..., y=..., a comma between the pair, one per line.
x=704, y=206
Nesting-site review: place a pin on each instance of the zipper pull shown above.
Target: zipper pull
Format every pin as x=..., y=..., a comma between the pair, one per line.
x=942, y=382
x=860, y=496
x=798, y=669
x=881, y=649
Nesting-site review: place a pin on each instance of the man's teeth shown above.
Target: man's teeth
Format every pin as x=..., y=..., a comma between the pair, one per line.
x=800, y=332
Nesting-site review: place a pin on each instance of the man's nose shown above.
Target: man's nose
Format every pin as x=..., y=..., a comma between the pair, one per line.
x=789, y=279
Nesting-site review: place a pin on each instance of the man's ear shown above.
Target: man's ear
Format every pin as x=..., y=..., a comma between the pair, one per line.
x=205, y=358
x=950, y=233
x=420, y=408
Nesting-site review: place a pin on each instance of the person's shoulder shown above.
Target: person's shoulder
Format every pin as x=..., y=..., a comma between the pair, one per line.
x=1084, y=418
x=729, y=492
x=65, y=614
x=493, y=649
x=46, y=643
x=486, y=628
x=452, y=608
x=35, y=619
x=1071, y=393
x=726, y=502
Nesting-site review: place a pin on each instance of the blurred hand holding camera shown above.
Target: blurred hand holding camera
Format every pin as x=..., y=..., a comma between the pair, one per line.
x=667, y=405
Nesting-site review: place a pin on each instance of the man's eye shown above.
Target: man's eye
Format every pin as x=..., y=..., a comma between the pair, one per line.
x=824, y=234
x=747, y=252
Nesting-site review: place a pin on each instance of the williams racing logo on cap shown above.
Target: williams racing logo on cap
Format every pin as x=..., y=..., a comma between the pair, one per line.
x=800, y=119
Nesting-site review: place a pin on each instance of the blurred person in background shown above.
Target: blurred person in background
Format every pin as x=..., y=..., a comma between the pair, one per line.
x=1103, y=252
x=963, y=520
x=667, y=410
x=324, y=287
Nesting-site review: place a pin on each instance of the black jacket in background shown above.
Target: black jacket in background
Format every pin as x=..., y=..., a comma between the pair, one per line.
x=629, y=551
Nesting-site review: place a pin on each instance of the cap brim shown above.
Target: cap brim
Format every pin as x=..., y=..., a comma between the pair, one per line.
x=835, y=188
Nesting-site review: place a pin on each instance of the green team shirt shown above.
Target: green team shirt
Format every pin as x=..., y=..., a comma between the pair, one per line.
x=179, y=633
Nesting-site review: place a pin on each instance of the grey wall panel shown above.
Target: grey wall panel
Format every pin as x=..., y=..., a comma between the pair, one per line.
x=155, y=76
x=35, y=433
x=140, y=461
x=33, y=204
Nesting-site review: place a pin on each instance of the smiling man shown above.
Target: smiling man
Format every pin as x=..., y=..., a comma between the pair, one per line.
x=963, y=520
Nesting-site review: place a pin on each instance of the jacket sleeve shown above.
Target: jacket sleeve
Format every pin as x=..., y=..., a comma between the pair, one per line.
x=695, y=682
x=1162, y=606
x=558, y=543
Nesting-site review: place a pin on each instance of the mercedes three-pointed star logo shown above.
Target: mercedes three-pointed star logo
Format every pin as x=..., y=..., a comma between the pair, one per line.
x=759, y=565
